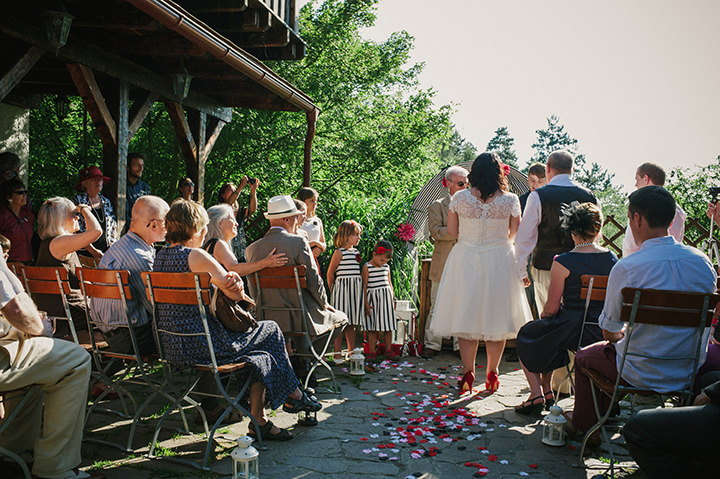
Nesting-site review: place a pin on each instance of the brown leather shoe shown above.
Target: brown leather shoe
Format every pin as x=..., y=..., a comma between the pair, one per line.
x=429, y=353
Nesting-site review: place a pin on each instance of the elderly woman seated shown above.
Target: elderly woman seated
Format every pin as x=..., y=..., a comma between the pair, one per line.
x=543, y=345
x=58, y=226
x=222, y=228
x=263, y=347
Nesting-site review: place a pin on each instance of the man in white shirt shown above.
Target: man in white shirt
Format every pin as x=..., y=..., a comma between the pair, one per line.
x=651, y=174
x=661, y=263
x=51, y=423
x=539, y=232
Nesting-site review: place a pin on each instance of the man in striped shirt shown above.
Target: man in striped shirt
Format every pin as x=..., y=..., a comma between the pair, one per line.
x=135, y=253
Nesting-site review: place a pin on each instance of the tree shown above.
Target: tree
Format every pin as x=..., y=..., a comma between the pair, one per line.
x=554, y=137
x=502, y=144
x=455, y=150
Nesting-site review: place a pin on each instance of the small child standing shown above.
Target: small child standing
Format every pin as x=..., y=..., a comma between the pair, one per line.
x=379, y=298
x=346, y=287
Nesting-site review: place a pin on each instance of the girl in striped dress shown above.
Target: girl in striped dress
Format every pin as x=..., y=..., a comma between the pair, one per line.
x=346, y=293
x=379, y=298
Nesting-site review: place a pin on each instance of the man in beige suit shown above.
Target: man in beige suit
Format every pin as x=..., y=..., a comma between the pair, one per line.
x=456, y=179
x=283, y=216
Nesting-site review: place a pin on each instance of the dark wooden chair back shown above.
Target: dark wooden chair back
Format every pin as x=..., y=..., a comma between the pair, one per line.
x=45, y=280
x=282, y=277
x=669, y=308
x=178, y=288
x=88, y=261
x=595, y=284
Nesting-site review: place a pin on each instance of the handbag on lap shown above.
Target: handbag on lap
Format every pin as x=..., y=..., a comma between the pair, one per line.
x=234, y=315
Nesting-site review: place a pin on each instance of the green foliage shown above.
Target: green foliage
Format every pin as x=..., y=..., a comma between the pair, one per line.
x=690, y=190
x=454, y=150
x=502, y=144
x=555, y=137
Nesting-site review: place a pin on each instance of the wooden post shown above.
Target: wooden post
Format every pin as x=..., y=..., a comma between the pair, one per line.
x=312, y=117
x=425, y=290
x=120, y=157
x=18, y=71
x=195, y=142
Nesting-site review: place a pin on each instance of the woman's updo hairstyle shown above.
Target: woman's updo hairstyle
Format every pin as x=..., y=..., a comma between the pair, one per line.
x=487, y=175
x=583, y=219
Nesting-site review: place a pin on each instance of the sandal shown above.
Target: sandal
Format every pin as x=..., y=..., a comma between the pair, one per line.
x=305, y=403
x=549, y=399
x=531, y=407
x=283, y=435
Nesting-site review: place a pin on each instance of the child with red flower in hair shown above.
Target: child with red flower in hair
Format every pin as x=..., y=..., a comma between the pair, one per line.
x=379, y=298
x=343, y=274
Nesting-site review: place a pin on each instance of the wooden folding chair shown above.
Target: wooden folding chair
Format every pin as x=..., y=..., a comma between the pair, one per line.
x=137, y=369
x=661, y=308
x=593, y=288
x=50, y=280
x=15, y=266
x=88, y=262
x=293, y=277
x=18, y=398
x=193, y=289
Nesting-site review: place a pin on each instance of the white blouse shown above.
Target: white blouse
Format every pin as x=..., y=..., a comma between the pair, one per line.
x=314, y=228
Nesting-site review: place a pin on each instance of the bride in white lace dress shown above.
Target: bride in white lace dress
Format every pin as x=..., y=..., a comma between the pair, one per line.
x=480, y=296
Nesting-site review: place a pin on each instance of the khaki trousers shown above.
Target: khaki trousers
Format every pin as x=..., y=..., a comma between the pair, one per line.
x=60, y=370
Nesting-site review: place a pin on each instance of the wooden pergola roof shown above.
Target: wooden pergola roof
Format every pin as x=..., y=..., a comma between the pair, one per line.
x=121, y=56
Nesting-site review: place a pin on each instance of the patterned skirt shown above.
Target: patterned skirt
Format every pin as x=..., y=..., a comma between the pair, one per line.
x=382, y=311
x=347, y=296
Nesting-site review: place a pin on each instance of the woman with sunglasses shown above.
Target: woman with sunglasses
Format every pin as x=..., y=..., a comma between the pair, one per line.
x=17, y=221
x=186, y=188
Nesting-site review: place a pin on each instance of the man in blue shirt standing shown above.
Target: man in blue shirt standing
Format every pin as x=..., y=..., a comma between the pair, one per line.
x=135, y=186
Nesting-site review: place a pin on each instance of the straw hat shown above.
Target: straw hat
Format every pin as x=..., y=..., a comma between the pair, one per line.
x=88, y=173
x=281, y=207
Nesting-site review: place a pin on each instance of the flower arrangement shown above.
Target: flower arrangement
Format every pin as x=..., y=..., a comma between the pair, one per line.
x=406, y=232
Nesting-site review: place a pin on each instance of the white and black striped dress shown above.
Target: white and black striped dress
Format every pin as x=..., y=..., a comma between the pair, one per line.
x=380, y=297
x=347, y=292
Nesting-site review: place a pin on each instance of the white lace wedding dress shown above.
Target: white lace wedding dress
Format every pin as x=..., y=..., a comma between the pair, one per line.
x=480, y=295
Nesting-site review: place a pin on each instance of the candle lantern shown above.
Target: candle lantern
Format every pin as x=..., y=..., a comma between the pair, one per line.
x=357, y=363
x=554, y=427
x=245, y=459
x=307, y=418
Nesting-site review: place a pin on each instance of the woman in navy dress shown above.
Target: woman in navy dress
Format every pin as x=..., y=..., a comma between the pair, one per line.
x=543, y=345
x=263, y=347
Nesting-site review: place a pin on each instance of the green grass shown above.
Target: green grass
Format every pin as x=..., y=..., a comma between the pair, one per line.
x=100, y=465
x=161, y=451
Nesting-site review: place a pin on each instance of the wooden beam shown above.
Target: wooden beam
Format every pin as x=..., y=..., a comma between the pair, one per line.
x=78, y=51
x=115, y=162
x=210, y=143
x=139, y=111
x=182, y=130
x=256, y=20
x=312, y=117
x=18, y=71
x=94, y=102
x=224, y=6
x=270, y=39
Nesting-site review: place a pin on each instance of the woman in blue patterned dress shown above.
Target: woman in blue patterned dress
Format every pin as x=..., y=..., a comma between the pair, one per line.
x=263, y=347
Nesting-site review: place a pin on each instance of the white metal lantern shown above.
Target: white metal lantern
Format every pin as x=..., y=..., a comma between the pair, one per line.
x=245, y=459
x=357, y=363
x=554, y=427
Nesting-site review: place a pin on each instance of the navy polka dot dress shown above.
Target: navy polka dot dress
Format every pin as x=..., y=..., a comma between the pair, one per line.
x=263, y=347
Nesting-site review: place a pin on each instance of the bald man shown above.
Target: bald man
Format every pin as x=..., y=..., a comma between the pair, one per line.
x=135, y=253
x=539, y=232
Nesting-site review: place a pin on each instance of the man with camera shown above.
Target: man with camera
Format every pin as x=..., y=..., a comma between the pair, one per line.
x=651, y=174
x=229, y=194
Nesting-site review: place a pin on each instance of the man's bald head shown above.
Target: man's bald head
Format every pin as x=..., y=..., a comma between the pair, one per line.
x=148, y=218
x=561, y=162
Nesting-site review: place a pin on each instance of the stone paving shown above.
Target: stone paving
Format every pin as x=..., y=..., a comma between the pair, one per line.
x=401, y=421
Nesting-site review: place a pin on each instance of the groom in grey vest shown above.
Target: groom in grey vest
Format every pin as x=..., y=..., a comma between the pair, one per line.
x=539, y=232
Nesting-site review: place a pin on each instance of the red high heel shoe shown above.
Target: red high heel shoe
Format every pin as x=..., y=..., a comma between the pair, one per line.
x=466, y=383
x=492, y=383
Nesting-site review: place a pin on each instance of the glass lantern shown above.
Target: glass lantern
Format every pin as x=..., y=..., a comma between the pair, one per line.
x=306, y=418
x=245, y=459
x=357, y=363
x=554, y=427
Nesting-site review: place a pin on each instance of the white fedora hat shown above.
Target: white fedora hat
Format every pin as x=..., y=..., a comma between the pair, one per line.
x=281, y=207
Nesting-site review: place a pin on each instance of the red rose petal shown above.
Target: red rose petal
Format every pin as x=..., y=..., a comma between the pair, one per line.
x=533, y=466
